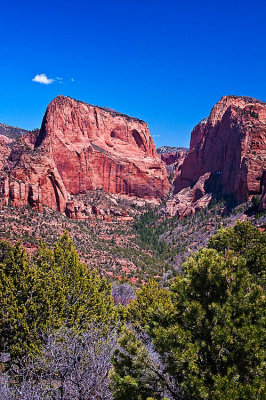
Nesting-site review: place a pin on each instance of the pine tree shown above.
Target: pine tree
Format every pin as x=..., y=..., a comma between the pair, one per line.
x=209, y=336
x=51, y=290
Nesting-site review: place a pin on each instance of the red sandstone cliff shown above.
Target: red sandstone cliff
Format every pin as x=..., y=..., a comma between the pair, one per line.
x=227, y=155
x=97, y=148
x=29, y=177
x=173, y=162
x=81, y=147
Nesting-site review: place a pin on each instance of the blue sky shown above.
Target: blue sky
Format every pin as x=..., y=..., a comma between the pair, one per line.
x=166, y=62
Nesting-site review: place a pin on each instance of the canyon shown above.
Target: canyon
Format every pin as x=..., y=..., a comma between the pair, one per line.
x=95, y=172
x=81, y=148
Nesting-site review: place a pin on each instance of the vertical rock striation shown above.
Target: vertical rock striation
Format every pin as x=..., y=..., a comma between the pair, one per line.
x=228, y=149
x=81, y=147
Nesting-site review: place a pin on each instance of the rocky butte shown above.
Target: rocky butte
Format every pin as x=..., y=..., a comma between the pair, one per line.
x=226, y=157
x=81, y=147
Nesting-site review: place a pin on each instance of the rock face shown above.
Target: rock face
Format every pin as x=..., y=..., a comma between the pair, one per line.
x=230, y=147
x=188, y=200
x=79, y=148
x=97, y=148
x=173, y=157
x=32, y=179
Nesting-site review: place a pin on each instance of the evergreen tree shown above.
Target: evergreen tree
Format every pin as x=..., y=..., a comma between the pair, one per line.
x=23, y=311
x=210, y=335
x=244, y=240
x=88, y=297
x=46, y=292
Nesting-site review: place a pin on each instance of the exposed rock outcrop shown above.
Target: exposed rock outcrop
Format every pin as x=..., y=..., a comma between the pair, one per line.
x=189, y=200
x=97, y=148
x=81, y=147
x=32, y=179
x=230, y=146
x=173, y=160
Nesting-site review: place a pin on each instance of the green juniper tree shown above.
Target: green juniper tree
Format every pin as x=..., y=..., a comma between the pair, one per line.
x=209, y=336
x=46, y=292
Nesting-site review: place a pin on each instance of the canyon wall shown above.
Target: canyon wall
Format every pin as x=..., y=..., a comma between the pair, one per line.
x=79, y=148
x=226, y=157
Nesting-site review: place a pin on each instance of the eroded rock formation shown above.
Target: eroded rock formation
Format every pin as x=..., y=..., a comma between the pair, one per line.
x=97, y=148
x=81, y=147
x=173, y=157
x=230, y=147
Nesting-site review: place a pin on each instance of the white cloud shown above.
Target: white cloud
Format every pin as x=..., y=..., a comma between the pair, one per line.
x=42, y=78
x=72, y=80
x=156, y=135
